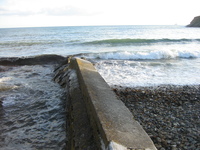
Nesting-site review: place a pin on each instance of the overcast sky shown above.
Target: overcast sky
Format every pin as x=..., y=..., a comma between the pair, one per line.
x=31, y=13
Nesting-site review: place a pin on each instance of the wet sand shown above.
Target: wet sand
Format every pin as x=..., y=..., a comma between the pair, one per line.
x=169, y=114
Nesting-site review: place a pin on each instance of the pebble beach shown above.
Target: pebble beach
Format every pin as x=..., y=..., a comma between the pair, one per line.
x=168, y=113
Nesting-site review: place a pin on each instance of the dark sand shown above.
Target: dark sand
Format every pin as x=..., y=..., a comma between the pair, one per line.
x=169, y=114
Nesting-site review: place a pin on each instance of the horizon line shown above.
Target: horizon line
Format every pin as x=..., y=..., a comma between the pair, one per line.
x=91, y=26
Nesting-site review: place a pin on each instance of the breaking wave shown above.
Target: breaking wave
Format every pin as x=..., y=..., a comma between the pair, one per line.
x=148, y=55
x=128, y=41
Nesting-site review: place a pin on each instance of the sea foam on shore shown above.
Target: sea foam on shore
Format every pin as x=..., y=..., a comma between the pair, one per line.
x=134, y=73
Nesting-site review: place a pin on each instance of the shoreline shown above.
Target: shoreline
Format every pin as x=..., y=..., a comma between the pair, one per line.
x=168, y=113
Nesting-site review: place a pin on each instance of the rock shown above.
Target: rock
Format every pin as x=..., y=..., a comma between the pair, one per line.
x=1, y=103
x=169, y=114
x=195, y=22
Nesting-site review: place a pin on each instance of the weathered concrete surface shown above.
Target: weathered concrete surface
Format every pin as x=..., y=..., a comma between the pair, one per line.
x=79, y=131
x=112, y=122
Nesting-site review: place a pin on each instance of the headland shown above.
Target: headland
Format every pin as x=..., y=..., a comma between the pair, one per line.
x=195, y=22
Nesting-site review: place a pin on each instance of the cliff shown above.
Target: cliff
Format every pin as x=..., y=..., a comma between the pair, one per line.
x=195, y=22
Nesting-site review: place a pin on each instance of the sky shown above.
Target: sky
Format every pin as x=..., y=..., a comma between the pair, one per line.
x=39, y=13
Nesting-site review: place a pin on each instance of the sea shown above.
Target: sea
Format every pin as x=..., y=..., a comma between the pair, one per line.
x=32, y=108
x=124, y=55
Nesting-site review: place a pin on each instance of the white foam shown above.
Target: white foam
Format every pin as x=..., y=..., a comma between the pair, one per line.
x=115, y=146
x=150, y=73
x=149, y=55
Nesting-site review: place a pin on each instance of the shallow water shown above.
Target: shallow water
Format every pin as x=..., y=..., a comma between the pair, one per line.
x=32, y=114
x=134, y=73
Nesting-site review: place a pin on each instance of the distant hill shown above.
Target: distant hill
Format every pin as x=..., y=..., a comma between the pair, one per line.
x=195, y=22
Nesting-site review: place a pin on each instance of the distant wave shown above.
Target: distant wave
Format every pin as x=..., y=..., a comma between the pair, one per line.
x=128, y=41
x=151, y=55
x=109, y=42
x=28, y=43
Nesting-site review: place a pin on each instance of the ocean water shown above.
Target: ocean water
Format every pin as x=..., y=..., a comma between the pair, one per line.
x=32, y=109
x=124, y=55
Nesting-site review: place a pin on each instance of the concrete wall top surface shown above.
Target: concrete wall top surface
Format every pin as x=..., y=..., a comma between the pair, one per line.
x=111, y=119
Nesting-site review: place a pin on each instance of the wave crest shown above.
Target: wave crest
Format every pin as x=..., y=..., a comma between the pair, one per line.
x=151, y=55
x=128, y=41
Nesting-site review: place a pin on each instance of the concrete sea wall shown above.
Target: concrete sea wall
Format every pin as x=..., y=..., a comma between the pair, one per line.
x=97, y=119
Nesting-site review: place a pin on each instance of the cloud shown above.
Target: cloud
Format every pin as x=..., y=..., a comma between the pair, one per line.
x=8, y=12
x=60, y=11
x=90, y=12
x=67, y=11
